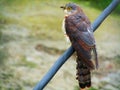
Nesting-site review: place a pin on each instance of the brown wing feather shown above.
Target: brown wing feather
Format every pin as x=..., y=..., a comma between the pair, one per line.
x=78, y=25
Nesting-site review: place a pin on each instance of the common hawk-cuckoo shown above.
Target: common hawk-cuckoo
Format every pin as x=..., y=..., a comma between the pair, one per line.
x=79, y=31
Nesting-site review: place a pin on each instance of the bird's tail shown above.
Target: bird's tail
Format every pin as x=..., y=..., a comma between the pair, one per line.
x=83, y=74
x=96, y=57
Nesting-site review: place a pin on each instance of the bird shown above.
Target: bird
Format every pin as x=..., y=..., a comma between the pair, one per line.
x=80, y=33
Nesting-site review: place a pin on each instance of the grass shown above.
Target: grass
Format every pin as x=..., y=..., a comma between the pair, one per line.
x=25, y=62
x=92, y=88
x=3, y=56
x=8, y=80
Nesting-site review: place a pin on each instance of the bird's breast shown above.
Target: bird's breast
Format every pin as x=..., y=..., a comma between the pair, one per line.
x=64, y=31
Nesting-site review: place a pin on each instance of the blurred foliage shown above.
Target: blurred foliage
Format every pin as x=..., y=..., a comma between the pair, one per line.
x=6, y=80
x=78, y=88
x=117, y=60
x=92, y=88
x=3, y=56
x=42, y=19
x=99, y=4
x=25, y=62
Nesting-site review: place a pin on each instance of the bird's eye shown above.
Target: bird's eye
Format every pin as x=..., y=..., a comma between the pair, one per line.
x=69, y=8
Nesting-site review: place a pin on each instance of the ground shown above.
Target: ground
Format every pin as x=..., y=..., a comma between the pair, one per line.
x=31, y=40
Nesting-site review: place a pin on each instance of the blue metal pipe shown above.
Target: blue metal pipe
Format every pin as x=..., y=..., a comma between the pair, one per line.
x=63, y=58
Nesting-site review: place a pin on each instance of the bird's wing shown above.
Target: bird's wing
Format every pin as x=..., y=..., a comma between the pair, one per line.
x=86, y=37
x=81, y=37
x=79, y=29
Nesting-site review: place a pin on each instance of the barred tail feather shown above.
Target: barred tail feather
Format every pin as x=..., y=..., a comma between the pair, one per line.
x=83, y=74
x=89, y=64
x=96, y=57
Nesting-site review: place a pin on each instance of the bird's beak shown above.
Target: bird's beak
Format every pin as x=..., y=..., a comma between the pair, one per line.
x=63, y=7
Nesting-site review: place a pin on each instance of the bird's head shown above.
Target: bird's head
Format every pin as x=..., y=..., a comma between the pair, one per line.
x=70, y=8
